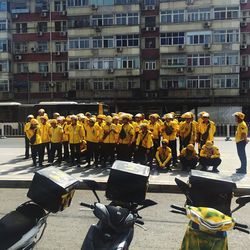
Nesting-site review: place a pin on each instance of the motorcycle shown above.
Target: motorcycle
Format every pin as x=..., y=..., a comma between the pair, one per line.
x=115, y=228
x=208, y=226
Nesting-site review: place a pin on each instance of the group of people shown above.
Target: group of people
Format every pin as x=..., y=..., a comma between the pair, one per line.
x=153, y=141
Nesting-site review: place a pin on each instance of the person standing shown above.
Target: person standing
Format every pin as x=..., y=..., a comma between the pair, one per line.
x=241, y=141
x=27, y=142
x=45, y=130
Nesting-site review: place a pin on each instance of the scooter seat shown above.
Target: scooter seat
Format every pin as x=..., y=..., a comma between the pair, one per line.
x=16, y=223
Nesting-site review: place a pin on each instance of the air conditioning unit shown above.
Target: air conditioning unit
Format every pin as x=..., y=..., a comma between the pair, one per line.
x=33, y=49
x=65, y=74
x=243, y=91
x=147, y=28
x=94, y=7
x=207, y=24
x=181, y=46
x=150, y=28
x=243, y=24
x=189, y=1
x=63, y=13
x=15, y=16
x=180, y=70
x=111, y=71
x=207, y=46
x=243, y=46
x=39, y=33
x=190, y=69
x=45, y=74
x=63, y=33
x=44, y=14
x=149, y=7
x=244, y=69
x=18, y=57
x=58, y=53
x=98, y=29
x=119, y=49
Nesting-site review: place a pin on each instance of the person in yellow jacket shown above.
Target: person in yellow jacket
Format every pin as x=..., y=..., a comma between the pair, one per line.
x=108, y=140
x=163, y=155
x=169, y=132
x=27, y=142
x=144, y=144
x=188, y=158
x=75, y=133
x=126, y=136
x=241, y=141
x=56, y=136
x=187, y=131
x=92, y=132
x=210, y=156
x=41, y=112
x=206, y=130
x=45, y=134
x=34, y=136
x=65, y=141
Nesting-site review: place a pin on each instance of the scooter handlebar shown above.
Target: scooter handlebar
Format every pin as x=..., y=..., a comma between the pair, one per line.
x=179, y=209
x=241, y=225
x=139, y=221
x=242, y=230
x=87, y=205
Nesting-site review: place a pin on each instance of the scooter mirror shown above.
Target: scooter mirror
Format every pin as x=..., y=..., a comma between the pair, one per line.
x=243, y=200
x=184, y=188
x=93, y=185
x=147, y=203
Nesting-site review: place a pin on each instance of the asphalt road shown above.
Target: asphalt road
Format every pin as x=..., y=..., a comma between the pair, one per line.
x=66, y=230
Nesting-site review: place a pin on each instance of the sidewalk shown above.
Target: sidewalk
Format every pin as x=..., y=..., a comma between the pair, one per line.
x=18, y=173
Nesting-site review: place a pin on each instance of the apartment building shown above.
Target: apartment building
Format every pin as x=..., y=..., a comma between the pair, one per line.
x=132, y=54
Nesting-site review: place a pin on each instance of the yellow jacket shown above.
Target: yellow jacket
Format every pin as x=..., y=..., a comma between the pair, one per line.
x=31, y=132
x=129, y=131
x=76, y=133
x=185, y=130
x=56, y=134
x=136, y=126
x=145, y=140
x=109, y=133
x=66, y=132
x=241, y=132
x=174, y=126
x=45, y=132
x=155, y=129
x=163, y=155
x=209, y=152
x=202, y=127
x=39, y=119
x=93, y=133
x=188, y=154
x=26, y=127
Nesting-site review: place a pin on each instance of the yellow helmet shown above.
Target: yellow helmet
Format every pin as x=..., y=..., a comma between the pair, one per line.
x=34, y=121
x=240, y=115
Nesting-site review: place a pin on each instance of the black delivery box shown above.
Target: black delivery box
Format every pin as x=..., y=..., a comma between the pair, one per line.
x=127, y=182
x=211, y=190
x=52, y=189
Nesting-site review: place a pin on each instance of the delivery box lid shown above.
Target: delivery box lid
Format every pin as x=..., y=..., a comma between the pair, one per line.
x=130, y=167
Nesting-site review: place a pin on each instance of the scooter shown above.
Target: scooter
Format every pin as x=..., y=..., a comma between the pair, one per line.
x=115, y=228
x=208, y=227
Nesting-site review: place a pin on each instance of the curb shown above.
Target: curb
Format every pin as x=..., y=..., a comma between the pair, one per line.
x=153, y=187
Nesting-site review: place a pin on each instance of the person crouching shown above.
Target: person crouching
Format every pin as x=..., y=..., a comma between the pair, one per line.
x=188, y=157
x=164, y=155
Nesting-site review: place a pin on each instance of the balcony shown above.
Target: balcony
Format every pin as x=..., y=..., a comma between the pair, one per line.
x=39, y=36
x=150, y=54
x=150, y=75
x=38, y=17
x=46, y=76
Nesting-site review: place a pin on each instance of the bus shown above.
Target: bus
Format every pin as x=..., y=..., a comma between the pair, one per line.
x=17, y=112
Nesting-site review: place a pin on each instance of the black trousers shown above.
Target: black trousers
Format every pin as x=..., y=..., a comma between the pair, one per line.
x=172, y=145
x=47, y=146
x=124, y=152
x=141, y=155
x=75, y=152
x=27, y=147
x=36, y=150
x=108, y=151
x=188, y=163
x=56, y=147
x=206, y=162
x=66, y=150
x=92, y=151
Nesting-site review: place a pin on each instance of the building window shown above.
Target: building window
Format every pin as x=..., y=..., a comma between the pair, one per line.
x=61, y=67
x=73, y=63
x=150, y=42
x=172, y=16
x=121, y=19
x=97, y=42
x=194, y=15
x=21, y=28
x=133, y=84
x=42, y=26
x=60, y=26
x=150, y=21
x=173, y=61
x=4, y=5
x=194, y=82
x=42, y=46
x=43, y=67
x=74, y=43
x=199, y=60
x=173, y=38
x=61, y=46
x=84, y=43
x=126, y=2
x=3, y=25
x=127, y=62
x=4, y=85
x=4, y=66
x=226, y=59
x=44, y=87
x=60, y=6
x=74, y=3
x=103, y=84
x=127, y=18
x=108, y=42
x=150, y=65
x=226, y=13
x=107, y=20
x=78, y=21
x=199, y=37
x=173, y=83
x=3, y=45
x=127, y=40
x=84, y=63
x=133, y=18
x=22, y=68
x=226, y=36
x=226, y=81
